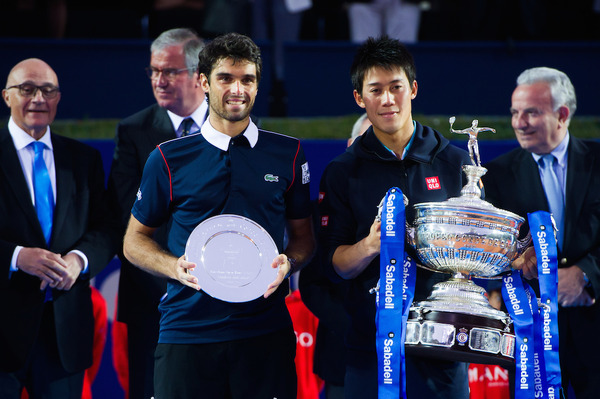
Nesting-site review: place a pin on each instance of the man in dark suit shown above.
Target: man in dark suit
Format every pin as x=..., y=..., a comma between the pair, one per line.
x=54, y=235
x=543, y=104
x=174, y=78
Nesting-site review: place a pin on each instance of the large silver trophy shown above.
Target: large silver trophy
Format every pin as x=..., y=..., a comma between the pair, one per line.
x=467, y=237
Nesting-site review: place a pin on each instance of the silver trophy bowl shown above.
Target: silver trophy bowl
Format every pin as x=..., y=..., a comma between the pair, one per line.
x=466, y=237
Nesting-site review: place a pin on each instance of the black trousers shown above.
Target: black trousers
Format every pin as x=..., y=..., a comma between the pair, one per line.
x=142, y=336
x=43, y=376
x=425, y=378
x=261, y=367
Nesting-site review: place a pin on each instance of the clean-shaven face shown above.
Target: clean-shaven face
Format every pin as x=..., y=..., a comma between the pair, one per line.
x=537, y=127
x=387, y=98
x=180, y=94
x=32, y=114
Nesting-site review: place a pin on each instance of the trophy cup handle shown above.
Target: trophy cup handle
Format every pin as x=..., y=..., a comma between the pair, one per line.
x=410, y=235
x=410, y=230
x=523, y=244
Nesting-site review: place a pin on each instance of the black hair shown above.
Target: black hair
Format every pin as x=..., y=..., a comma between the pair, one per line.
x=230, y=45
x=382, y=52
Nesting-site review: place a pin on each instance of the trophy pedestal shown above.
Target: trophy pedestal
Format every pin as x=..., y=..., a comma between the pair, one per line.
x=457, y=323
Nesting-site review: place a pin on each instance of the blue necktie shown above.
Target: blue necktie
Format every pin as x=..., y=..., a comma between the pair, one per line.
x=186, y=126
x=44, y=198
x=554, y=193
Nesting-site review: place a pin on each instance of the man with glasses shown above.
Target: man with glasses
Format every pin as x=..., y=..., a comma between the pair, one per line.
x=54, y=236
x=180, y=109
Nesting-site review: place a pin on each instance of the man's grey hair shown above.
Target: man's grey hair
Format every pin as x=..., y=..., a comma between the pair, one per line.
x=192, y=45
x=561, y=88
x=356, y=128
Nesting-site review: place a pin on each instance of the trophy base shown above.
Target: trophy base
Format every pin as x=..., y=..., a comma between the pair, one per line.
x=456, y=323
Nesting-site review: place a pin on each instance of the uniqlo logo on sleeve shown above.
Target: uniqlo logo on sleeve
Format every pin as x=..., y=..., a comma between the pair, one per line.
x=433, y=183
x=321, y=196
x=324, y=221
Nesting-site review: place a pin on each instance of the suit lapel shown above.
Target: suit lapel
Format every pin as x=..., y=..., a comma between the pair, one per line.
x=528, y=187
x=11, y=168
x=64, y=183
x=579, y=172
x=162, y=127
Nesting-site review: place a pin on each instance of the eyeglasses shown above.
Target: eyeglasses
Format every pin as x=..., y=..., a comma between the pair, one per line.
x=168, y=73
x=29, y=90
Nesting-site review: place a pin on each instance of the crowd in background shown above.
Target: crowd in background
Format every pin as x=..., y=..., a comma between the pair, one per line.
x=306, y=19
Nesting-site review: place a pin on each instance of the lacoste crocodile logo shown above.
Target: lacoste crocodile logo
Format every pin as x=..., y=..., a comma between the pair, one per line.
x=269, y=177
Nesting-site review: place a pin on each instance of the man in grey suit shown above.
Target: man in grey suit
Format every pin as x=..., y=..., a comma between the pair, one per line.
x=174, y=78
x=543, y=104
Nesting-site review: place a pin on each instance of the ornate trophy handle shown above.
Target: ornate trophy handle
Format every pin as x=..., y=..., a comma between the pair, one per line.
x=379, y=210
x=523, y=244
x=410, y=230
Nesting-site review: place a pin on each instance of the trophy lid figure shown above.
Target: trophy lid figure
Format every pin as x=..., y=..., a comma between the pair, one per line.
x=472, y=132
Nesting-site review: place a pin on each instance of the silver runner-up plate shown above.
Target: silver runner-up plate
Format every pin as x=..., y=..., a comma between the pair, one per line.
x=233, y=257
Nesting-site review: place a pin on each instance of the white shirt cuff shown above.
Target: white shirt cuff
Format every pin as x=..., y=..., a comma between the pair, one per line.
x=83, y=257
x=14, y=268
x=13, y=261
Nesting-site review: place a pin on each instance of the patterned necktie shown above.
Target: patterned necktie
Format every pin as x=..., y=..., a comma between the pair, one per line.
x=186, y=126
x=554, y=193
x=44, y=199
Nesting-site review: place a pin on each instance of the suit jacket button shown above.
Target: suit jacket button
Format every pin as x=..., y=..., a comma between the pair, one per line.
x=563, y=261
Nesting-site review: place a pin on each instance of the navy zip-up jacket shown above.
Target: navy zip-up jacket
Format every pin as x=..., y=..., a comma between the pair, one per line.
x=352, y=187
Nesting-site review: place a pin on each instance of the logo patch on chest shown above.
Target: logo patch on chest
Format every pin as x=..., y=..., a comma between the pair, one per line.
x=433, y=183
x=271, y=178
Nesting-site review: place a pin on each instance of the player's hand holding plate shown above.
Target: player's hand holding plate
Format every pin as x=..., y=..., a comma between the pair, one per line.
x=233, y=256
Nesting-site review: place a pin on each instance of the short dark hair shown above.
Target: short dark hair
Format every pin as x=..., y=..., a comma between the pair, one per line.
x=382, y=52
x=230, y=45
